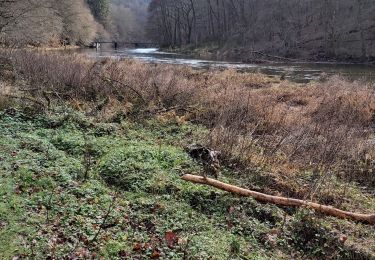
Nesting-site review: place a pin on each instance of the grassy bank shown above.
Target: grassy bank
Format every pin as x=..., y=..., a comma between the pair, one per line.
x=92, y=151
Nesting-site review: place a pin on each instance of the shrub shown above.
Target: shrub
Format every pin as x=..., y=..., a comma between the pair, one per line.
x=285, y=128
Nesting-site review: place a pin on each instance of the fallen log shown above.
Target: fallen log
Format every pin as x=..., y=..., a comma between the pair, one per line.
x=328, y=210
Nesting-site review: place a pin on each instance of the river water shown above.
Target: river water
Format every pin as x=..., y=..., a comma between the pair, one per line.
x=298, y=72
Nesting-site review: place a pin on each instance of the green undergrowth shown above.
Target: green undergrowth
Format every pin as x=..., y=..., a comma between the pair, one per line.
x=71, y=187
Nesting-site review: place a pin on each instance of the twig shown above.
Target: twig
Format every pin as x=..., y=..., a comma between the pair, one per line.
x=104, y=220
x=106, y=79
x=86, y=157
x=27, y=98
x=165, y=110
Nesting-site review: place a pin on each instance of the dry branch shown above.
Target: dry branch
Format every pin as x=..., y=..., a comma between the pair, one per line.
x=31, y=99
x=111, y=81
x=328, y=210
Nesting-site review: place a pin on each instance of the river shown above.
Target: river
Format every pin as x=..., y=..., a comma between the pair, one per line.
x=298, y=72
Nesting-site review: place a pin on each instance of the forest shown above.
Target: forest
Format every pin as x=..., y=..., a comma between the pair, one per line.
x=239, y=29
x=70, y=22
x=315, y=29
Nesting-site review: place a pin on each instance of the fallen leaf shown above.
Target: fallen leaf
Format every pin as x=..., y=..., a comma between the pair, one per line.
x=171, y=238
x=343, y=238
x=155, y=254
x=123, y=254
x=137, y=247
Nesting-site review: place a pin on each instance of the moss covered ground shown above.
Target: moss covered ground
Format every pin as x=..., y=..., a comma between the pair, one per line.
x=71, y=187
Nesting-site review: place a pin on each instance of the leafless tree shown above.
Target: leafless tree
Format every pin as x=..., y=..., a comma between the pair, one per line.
x=39, y=22
x=313, y=28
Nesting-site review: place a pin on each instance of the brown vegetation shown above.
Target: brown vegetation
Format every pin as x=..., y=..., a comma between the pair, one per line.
x=292, y=139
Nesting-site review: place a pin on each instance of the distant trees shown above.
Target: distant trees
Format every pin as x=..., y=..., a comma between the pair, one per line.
x=55, y=22
x=171, y=22
x=46, y=22
x=291, y=28
x=6, y=13
x=100, y=9
x=79, y=25
x=29, y=22
x=124, y=23
x=128, y=19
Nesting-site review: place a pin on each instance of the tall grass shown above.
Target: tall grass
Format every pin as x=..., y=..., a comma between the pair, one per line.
x=326, y=127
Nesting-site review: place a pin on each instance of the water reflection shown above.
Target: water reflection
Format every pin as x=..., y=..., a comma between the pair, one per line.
x=299, y=72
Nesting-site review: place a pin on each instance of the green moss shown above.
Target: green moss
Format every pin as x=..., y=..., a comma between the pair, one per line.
x=141, y=166
x=48, y=210
x=11, y=211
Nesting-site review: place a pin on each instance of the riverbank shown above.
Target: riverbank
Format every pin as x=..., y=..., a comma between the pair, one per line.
x=93, y=152
x=246, y=55
x=292, y=71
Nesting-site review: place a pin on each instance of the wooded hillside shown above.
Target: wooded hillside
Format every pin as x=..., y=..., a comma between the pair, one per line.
x=317, y=29
x=129, y=18
x=56, y=22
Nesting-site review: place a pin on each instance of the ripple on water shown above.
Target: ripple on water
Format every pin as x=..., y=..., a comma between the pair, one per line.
x=299, y=72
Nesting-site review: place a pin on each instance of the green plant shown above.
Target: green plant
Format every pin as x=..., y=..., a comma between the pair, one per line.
x=138, y=165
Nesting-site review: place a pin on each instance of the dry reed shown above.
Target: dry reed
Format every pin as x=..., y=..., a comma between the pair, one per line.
x=283, y=127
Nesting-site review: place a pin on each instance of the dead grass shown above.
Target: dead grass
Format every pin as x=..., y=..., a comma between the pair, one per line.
x=304, y=135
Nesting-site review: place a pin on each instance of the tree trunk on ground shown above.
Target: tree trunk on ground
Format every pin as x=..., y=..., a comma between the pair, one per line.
x=328, y=210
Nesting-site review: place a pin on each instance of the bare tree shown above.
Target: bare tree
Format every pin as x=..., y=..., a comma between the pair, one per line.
x=40, y=22
x=311, y=28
